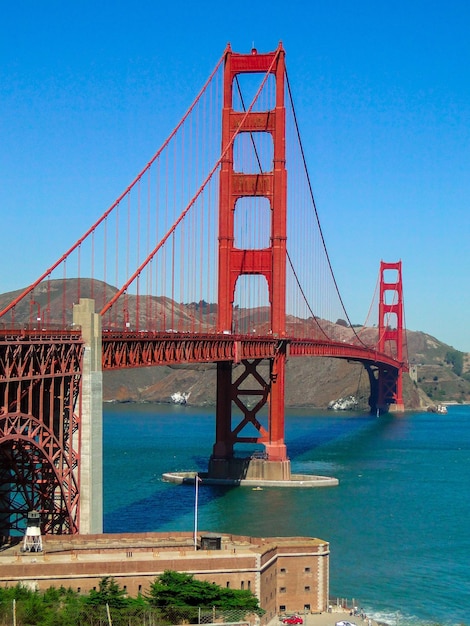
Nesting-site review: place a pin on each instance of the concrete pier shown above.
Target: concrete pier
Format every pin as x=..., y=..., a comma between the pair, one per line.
x=296, y=480
x=91, y=413
x=249, y=469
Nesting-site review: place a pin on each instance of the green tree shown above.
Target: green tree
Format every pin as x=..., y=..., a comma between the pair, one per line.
x=176, y=589
x=455, y=359
x=31, y=610
x=109, y=593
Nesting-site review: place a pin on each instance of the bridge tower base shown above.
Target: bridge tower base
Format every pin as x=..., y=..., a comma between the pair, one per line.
x=249, y=469
x=257, y=384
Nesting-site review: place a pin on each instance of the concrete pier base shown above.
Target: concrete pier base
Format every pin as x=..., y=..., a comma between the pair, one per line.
x=396, y=408
x=296, y=480
x=249, y=469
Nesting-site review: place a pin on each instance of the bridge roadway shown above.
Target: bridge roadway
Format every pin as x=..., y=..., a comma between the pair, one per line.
x=121, y=350
x=136, y=349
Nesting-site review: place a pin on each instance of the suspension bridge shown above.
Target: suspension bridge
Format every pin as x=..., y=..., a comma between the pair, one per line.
x=213, y=254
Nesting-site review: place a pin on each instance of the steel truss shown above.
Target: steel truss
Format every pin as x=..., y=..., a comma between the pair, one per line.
x=40, y=388
x=142, y=349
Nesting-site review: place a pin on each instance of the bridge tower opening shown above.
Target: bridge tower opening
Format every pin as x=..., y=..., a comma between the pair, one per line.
x=390, y=380
x=268, y=262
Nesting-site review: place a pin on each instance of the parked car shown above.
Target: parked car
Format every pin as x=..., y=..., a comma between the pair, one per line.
x=345, y=623
x=293, y=619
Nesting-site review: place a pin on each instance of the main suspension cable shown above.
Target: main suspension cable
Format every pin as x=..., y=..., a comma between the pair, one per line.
x=316, y=212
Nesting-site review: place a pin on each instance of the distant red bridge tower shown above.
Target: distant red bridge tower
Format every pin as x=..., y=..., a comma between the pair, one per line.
x=391, y=335
x=269, y=262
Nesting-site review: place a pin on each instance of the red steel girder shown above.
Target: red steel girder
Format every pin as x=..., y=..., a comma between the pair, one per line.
x=265, y=389
x=122, y=350
x=141, y=349
x=340, y=350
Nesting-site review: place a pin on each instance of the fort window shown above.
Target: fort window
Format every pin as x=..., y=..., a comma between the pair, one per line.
x=307, y=569
x=242, y=584
x=228, y=584
x=307, y=588
x=249, y=584
x=282, y=608
x=282, y=570
x=282, y=590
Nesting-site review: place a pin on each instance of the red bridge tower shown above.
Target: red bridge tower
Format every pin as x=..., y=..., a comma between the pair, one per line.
x=391, y=336
x=269, y=262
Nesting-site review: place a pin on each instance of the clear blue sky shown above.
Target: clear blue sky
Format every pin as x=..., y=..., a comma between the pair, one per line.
x=88, y=91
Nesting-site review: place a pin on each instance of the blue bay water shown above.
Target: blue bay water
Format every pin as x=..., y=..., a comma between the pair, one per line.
x=398, y=523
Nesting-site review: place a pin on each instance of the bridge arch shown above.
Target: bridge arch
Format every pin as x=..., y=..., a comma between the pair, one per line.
x=35, y=474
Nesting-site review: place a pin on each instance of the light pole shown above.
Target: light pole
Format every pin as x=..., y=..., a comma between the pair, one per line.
x=197, y=480
x=38, y=317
